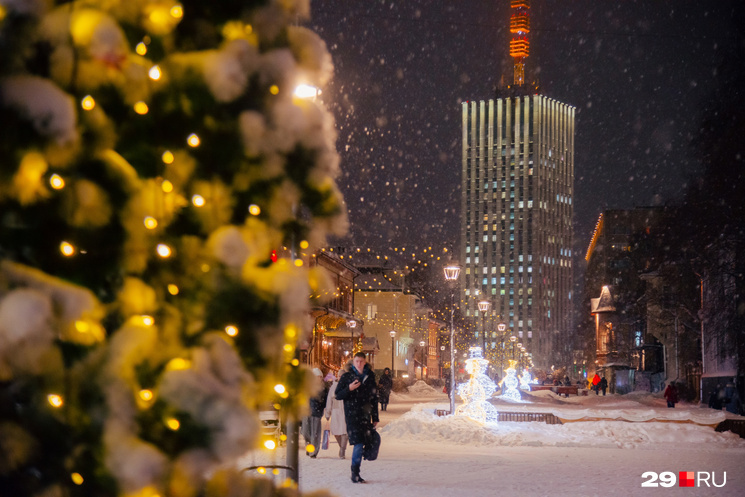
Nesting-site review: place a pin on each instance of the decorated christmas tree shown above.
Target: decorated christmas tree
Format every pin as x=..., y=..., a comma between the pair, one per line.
x=154, y=161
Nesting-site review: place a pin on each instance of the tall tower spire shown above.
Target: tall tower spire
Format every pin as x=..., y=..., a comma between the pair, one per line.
x=519, y=44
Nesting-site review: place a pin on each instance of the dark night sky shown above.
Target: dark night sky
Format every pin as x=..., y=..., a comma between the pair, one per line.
x=638, y=73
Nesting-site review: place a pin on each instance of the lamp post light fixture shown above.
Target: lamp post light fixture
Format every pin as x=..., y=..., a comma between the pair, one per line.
x=393, y=337
x=422, y=343
x=484, y=306
x=513, y=339
x=452, y=272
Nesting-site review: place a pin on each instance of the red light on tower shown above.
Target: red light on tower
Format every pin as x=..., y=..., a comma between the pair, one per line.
x=519, y=44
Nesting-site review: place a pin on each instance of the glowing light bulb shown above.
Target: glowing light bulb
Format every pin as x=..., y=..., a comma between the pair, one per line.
x=177, y=11
x=288, y=347
x=146, y=395
x=67, y=249
x=298, y=262
x=274, y=89
x=77, y=478
x=205, y=268
x=167, y=157
x=56, y=182
x=55, y=400
x=155, y=73
x=304, y=244
x=150, y=223
x=261, y=470
x=291, y=331
x=254, y=210
x=141, y=48
x=167, y=186
x=198, y=200
x=310, y=448
x=173, y=424
x=87, y=103
x=147, y=320
x=163, y=250
x=193, y=140
x=270, y=444
x=295, y=362
x=82, y=326
x=172, y=289
x=231, y=330
x=178, y=364
x=279, y=388
x=141, y=108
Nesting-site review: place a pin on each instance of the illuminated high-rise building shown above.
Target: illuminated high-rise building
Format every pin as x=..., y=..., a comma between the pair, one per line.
x=516, y=210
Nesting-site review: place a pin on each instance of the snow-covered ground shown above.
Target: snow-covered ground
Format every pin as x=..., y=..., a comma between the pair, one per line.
x=426, y=455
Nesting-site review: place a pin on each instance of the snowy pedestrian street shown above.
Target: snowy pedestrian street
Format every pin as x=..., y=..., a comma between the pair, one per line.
x=425, y=455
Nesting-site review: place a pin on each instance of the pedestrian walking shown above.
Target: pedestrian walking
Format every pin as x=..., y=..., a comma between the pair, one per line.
x=358, y=389
x=671, y=395
x=385, y=385
x=334, y=412
x=731, y=398
x=312, y=424
x=595, y=382
x=603, y=385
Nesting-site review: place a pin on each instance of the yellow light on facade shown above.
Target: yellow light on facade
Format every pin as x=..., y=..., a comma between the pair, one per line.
x=274, y=89
x=283, y=437
x=167, y=186
x=87, y=103
x=141, y=48
x=67, y=249
x=193, y=140
x=56, y=182
x=55, y=400
x=231, y=330
x=146, y=395
x=298, y=262
x=173, y=424
x=291, y=331
x=198, y=200
x=167, y=158
x=270, y=444
x=177, y=11
x=77, y=478
x=288, y=347
x=304, y=244
x=141, y=108
x=163, y=250
x=279, y=388
x=254, y=210
x=295, y=362
x=172, y=289
x=155, y=73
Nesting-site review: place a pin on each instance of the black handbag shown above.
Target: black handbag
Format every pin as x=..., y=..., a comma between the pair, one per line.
x=372, y=445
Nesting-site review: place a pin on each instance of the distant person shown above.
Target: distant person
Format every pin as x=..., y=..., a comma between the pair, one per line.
x=603, y=385
x=312, y=424
x=358, y=390
x=385, y=385
x=595, y=382
x=334, y=412
x=567, y=381
x=671, y=394
x=715, y=398
x=731, y=398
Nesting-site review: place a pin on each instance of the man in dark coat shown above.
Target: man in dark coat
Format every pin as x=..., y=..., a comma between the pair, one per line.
x=603, y=385
x=358, y=389
x=384, y=389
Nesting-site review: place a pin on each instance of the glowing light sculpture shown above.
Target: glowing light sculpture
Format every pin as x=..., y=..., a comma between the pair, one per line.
x=525, y=379
x=475, y=392
x=509, y=384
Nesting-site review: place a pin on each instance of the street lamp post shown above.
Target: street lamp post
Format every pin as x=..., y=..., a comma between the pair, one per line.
x=393, y=337
x=421, y=362
x=513, y=339
x=484, y=306
x=451, y=275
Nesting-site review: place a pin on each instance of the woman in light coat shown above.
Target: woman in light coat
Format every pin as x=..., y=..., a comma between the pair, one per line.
x=335, y=412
